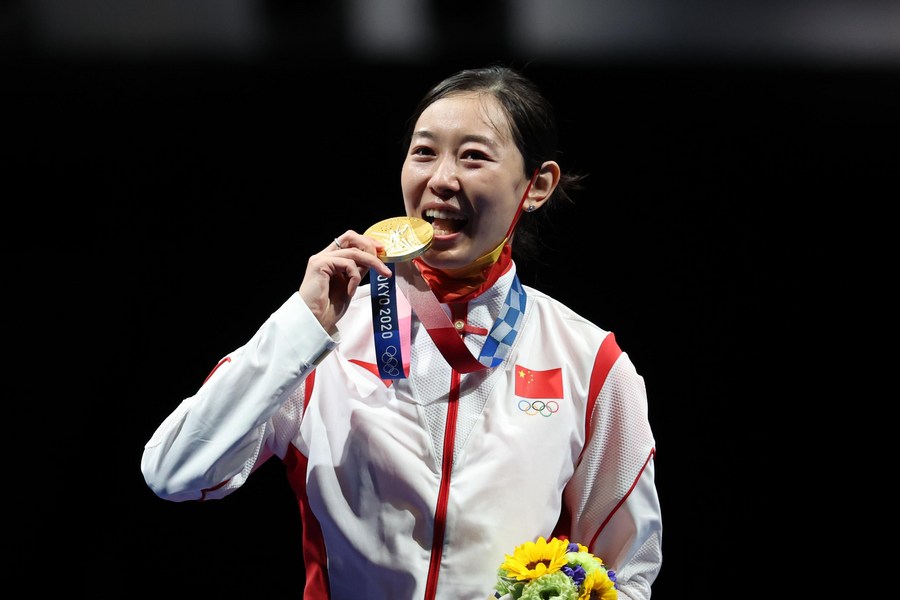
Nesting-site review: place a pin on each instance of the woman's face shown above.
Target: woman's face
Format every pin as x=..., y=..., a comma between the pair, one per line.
x=464, y=175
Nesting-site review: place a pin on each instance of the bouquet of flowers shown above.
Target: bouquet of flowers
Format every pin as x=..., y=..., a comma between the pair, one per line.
x=556, y=569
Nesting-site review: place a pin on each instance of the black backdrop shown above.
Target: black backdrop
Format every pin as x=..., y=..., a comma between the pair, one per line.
x=709, y=234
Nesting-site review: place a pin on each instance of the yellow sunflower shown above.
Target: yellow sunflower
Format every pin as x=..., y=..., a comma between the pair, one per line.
x=598, y=586
x=533, y=559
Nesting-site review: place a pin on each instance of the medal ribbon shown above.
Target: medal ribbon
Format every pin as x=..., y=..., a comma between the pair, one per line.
x=391, y=331
x=506, y=327
x=446, y=337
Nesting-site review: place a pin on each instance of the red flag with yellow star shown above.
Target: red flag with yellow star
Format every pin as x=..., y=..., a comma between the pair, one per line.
x=538, y=384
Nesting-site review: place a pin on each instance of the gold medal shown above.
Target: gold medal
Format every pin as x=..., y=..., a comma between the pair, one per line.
x=404, y=238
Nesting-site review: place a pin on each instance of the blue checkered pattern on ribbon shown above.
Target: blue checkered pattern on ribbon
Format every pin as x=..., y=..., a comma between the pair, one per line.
x=506, y=327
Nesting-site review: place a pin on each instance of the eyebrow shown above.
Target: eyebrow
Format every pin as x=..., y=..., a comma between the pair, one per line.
x=424, y=133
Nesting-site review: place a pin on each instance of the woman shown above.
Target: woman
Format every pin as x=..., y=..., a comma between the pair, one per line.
x=492, y=415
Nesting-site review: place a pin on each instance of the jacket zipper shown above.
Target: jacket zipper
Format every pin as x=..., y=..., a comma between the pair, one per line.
x=440, y=513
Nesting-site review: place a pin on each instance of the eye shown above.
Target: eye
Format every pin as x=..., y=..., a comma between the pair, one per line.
x=421, y=151
x=474, y=155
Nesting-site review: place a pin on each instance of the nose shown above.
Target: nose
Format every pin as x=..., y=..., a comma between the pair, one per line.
x=444, y=179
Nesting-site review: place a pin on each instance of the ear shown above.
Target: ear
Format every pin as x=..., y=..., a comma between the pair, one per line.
x=544, y=184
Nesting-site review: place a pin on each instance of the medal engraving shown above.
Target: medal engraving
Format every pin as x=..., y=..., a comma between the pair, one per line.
x=404, y=238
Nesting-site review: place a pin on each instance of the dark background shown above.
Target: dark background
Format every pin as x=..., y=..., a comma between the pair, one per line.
x=727, y=171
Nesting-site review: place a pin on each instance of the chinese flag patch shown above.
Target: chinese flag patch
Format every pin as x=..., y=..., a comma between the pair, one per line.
x=538, y=384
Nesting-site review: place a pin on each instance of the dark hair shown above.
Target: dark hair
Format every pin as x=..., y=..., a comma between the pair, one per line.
x=532, y=122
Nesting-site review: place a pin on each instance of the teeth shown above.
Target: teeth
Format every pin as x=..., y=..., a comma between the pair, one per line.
x=440, y=214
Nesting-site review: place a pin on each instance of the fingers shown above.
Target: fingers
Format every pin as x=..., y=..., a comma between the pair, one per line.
x=359, y=248
x=334, y=274
x=352, y=239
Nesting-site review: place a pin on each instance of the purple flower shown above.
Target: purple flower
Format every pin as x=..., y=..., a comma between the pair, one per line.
x=576, y=574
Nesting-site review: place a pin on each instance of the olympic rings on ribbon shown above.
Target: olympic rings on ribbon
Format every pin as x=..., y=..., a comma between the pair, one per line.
x=389, y=360
x=538, y=407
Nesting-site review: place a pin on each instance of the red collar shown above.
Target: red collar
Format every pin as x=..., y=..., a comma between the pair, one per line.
x=449, y=289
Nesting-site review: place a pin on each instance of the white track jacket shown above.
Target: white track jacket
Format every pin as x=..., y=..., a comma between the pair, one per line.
x=417, y=488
